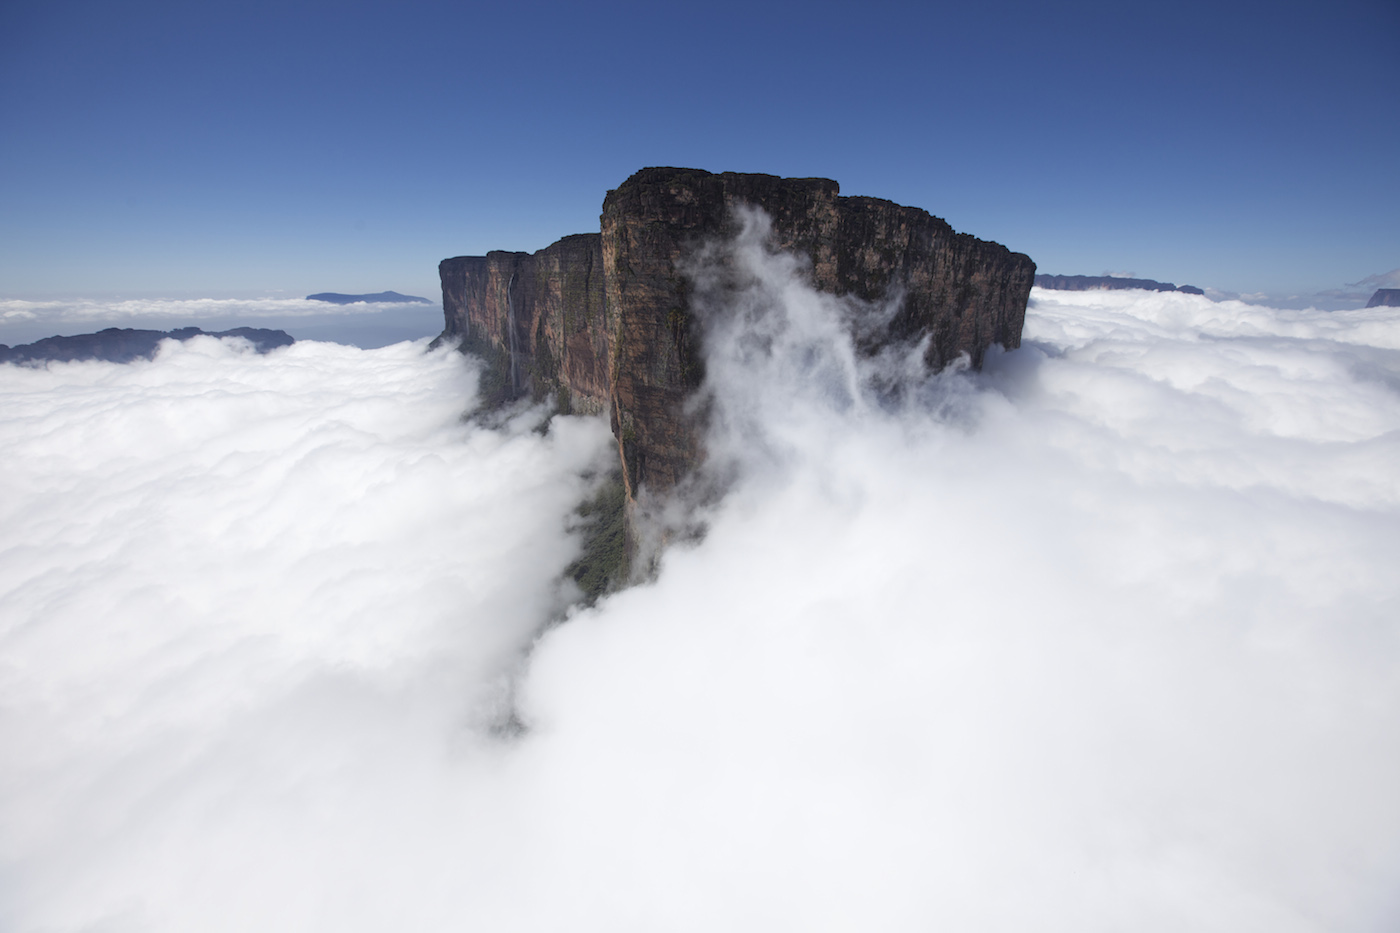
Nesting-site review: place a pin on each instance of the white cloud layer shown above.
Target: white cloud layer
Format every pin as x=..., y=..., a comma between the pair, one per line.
x=1102, y=638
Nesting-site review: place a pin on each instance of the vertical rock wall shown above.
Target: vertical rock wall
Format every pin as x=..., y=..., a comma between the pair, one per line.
x=549, y=306
x=965, y=293
x=604, y=320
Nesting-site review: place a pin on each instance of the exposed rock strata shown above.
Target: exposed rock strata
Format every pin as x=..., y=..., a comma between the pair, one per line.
x=964, y=293
x=538, y=320
x=605, y=321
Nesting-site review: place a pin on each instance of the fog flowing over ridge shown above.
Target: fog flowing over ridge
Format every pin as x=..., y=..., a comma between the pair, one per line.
x=1102, y=637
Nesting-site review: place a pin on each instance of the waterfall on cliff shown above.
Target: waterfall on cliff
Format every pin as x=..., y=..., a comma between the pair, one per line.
x=514, y=340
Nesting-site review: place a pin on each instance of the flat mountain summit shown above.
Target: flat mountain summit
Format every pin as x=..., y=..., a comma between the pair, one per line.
x=1084, y=283
x=336, y=298
x=125, y=344
x=605, y=322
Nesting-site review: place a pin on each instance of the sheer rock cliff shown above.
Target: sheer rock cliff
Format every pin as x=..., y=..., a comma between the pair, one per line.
x=537, y=319
x=604, y=320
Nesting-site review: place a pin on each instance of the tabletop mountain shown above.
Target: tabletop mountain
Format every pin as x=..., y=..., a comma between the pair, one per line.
x=125, y=344
x=377, y=298
x=603, y=321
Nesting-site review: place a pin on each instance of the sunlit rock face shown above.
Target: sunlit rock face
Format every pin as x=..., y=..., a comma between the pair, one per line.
x=537, y=319
x=606, y=320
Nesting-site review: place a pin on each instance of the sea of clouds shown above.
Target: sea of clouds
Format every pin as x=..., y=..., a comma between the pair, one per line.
x=1102, y=637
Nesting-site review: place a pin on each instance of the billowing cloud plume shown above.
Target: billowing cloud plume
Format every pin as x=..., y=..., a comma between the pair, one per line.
x=1102, y=637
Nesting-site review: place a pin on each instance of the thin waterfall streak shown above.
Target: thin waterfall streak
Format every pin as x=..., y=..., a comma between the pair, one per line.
x=510, y=326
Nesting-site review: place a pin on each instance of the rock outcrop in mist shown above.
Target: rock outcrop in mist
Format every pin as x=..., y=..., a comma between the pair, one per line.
x=125, y=344
x=604, y=321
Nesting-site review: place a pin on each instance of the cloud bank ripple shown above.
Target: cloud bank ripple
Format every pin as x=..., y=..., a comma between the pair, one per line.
x=1102, y=637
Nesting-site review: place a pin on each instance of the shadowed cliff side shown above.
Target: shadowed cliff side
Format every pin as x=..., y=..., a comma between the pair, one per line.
x=126, y=345
x=537, y=319
x=1385, y=298
x=962, y=292
x=604, y=321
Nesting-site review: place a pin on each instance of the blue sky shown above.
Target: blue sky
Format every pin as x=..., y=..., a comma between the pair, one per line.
x=249, y=148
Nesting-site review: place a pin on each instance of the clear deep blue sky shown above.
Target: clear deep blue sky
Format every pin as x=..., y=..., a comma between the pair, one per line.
x=251, y=148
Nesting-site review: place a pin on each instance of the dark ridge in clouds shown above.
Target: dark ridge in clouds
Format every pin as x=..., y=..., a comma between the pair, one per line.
x=1079, y=283
x=1101, y=638
x=124, y=344
x=376, y=298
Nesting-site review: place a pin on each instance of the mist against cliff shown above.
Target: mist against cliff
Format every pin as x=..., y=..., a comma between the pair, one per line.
x=1101, y=637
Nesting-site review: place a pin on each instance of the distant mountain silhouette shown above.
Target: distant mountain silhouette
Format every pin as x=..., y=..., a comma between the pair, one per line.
x=1084, y=283
x=1385, y=297
x=602, y=322
x=123, y=344
x=336, y=298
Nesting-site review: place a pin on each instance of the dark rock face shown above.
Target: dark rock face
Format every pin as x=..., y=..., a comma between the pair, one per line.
x=964, y=293
x=605, y=320
x=1084, y=283
x=123, y=344
x=538, y=320
x=1385, y=298
x=378, y=297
